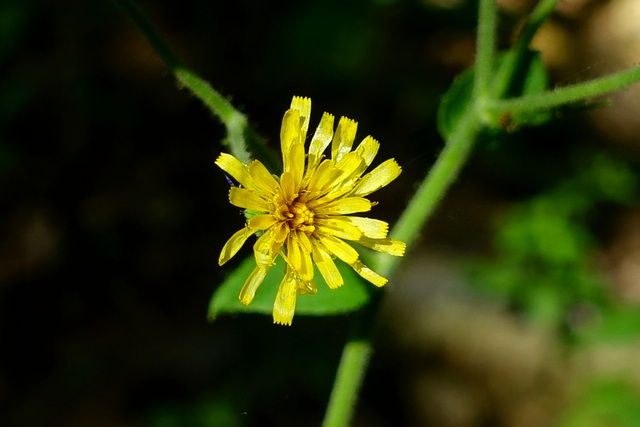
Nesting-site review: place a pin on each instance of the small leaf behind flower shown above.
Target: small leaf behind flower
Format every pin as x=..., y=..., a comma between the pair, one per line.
x=350, y=297
x=455, y=101
x=530, y=78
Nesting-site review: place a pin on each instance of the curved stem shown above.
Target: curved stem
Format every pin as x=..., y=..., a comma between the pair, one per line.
x=352, y=368
x=357, y=351
x=514, y=58
x=443, y=173
x=234, y=121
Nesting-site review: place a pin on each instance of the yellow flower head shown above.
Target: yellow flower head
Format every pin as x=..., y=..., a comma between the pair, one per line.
x=304, y=215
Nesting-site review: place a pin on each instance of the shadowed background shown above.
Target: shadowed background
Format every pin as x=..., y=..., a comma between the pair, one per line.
x=112, y=215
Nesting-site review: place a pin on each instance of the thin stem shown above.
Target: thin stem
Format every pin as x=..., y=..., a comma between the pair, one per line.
x=541, y=12
x=357, y=352
x=485, y=46
x=234, y=121
x=443, y=173
x=351, y=371
x=566, y=95
x=515, y=57
x=352, y=368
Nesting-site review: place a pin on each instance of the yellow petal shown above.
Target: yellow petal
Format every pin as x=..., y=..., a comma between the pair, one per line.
x=299, y=260
x=388, y=246
x=368, y=274
x=266, y=248
x=305, y=288
x=344, y=206
x=341, y=188
x=350, y=164
x=327, y=267
x=294, y=254
x=281, y=231
x=285, y=303
x=262, y=177
x=373, y=228
x=368, y=149
x=246, y=199
x=303, y=106
x=250, y=286
x=377, y=178
x=343, y=138
x=296, y=164
x=236, y=169
x=233, y=245
x=304, y=241
x=288, y=185
x=325, y=175
x=261, y=222
x=335, y=226
x=306, y=269
x=339, y=248
x=289, y=134
x=320, y=141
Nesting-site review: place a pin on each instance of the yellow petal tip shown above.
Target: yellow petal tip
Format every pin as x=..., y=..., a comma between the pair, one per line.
x=282, y=321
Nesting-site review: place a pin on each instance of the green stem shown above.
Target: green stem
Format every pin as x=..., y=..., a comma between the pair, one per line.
x=355, y=357
x=443, y=173
x=357, y=351
x=485, y=47
x=515, y=57
x=352, y=368
x=565, y=95
x=234, y=121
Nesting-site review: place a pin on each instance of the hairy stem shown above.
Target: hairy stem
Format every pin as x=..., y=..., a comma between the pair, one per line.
x=505, y=74
x=566, y=95
x=485, y=47
x=431, y=191
x=234, y=121
x=352, y=368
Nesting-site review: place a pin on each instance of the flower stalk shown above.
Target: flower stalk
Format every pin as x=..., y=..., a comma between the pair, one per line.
x=242, y=141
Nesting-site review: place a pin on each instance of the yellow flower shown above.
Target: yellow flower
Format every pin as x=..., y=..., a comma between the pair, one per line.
x=304, y=215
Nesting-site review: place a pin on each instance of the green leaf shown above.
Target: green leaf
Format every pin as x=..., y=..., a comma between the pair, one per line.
x=454, y=103
x=530, y=78
x=349, y=297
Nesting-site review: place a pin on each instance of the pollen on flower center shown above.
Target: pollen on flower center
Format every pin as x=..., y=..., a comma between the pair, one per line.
x=302, y=218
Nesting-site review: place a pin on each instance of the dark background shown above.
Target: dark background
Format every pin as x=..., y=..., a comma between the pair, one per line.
x=112, y=213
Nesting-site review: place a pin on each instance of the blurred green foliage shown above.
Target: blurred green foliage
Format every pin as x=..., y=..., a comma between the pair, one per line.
x=545, y=248
x=604, y=403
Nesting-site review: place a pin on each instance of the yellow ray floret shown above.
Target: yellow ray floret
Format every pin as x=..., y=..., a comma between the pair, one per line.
x=305, y=214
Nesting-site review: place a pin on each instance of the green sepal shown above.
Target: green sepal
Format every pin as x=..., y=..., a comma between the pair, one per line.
x=354, y=294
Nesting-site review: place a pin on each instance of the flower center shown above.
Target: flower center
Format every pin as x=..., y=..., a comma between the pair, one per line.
x=301, y=218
